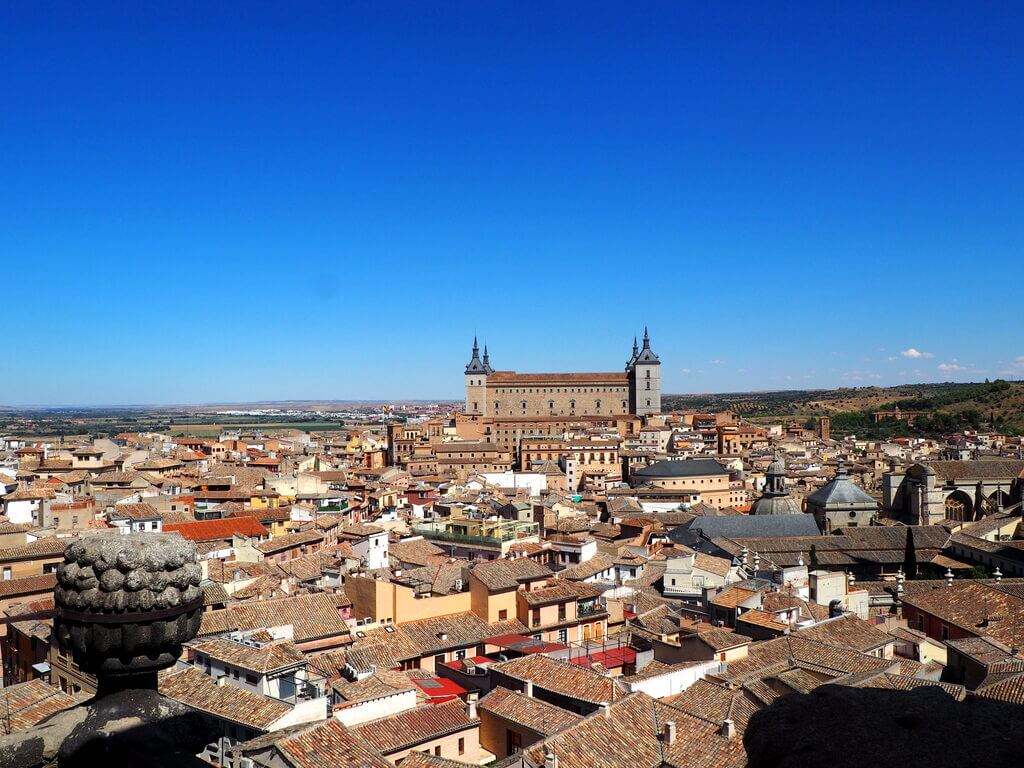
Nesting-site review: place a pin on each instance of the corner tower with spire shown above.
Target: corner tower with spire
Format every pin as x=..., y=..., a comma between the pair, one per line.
x=644, y=371
x=477, y=371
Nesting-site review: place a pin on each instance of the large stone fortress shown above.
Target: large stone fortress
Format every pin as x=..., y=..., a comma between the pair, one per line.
x=635, y=390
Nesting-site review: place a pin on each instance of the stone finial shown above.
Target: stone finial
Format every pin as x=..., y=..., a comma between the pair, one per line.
x=949, y=577
x=124, y=604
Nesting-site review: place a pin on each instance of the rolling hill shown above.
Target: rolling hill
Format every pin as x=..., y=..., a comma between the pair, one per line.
x=949, y=406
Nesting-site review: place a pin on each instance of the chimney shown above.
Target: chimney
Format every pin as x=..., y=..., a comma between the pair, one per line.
x=222, y=680
x=471, y=705
x=728, y=729
x=606, y=710
x=550, y=758
x=668, y=733
x=528, y=688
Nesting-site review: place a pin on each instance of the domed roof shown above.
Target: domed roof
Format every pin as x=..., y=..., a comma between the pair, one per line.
x=776, y=505
x=777, y=467
x=840, y=491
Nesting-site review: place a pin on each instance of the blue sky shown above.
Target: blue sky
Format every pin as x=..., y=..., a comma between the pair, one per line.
x=302, y=200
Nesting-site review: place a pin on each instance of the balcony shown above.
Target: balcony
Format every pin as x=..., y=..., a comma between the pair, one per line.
x=593, y=607
x=475, y=532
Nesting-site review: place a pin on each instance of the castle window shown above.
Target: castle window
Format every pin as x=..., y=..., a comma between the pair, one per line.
x=648, y=402
x=598, y=404
x=551, y=404
x=648, y=385
x=572, y=405
x=648, y=374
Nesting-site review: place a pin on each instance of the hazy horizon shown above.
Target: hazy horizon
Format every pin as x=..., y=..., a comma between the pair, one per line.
x=413, y=400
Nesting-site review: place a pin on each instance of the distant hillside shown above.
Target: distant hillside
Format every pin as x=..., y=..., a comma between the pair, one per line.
x=951, y=406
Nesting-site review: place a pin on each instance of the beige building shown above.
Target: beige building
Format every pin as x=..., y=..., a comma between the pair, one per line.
x=637, y=389
x=706, y=477
x=466, y=458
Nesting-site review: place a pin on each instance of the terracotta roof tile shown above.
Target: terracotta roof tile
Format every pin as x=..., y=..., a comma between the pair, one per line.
x=329, y=745
x=561, y=677
x=527, y=711
x=288, y=541
x=628, y=737
x=267, y=658
x=312, y=617
x=217, y=530
x=29, y=703
x=415, y=726
x=229, y=702
x=976, y=608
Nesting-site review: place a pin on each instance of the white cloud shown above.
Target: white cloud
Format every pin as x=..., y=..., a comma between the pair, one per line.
x=685, y=370
x=1015, y=368
x=891, y=357
x=915, y=353
x=950, y=367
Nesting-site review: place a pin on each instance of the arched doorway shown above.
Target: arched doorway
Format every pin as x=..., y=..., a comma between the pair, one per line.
x=959, y=506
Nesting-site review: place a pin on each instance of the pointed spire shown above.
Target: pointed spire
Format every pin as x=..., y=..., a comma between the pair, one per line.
x=636, y=349
x=475, y=366
x=646, y=354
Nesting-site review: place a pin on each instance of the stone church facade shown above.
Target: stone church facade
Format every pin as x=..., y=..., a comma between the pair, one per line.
x=636, y=390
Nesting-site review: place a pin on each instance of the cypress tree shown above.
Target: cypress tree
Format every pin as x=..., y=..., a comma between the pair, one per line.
x=910, y=556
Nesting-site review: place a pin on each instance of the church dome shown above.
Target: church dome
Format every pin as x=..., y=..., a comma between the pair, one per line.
x=776, y=505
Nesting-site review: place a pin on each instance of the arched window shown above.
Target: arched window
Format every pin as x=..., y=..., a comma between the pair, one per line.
x=551, y=405
x=572, y=405
x=598, y=404
x=522, y=404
